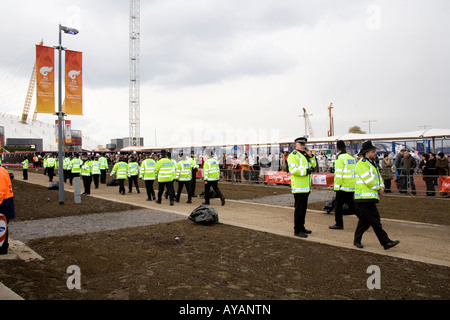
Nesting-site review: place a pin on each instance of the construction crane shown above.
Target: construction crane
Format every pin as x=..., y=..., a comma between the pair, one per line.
x=331, y=132
x=29, y=97
x=308, y=127
x=134, y=103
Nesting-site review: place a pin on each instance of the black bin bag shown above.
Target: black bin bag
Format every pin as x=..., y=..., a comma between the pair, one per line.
x=205, y=215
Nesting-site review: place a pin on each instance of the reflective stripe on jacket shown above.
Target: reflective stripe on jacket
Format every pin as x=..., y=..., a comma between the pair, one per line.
x=367, y=180
x=298, y=168
x=344, y=173
x=147, y=171
x=211, y=170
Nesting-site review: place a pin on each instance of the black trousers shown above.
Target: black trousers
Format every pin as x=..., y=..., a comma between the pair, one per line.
x=215, y=186
x=193, y=181
x=87, y=184
x=131, y=180
x=300, y=206
x=342, y=198
x=150, y=190
x=95, y=178
x=430, y=185
x=370, y=217
x=103, y=176
x=51, y=173
x=169, y=186
x=25, y=174
x=187, y=184
x=121, y=183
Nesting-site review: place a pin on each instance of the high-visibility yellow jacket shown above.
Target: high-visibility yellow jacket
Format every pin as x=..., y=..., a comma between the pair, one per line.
x=211, y=170
x=86, y=168
x=300, y=169
x=133, y=168
x=66, y=163
x=51, y=162
x=165, y=169
x=344, y=173
x=75, y=165
x=95, y=167
x=184, y=170
x=367, y=181
x=120, y=169
x=25, y=164
x=147, y=171
x=103, y=163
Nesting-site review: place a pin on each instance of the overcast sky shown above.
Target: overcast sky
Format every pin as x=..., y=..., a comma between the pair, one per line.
x=234, y=67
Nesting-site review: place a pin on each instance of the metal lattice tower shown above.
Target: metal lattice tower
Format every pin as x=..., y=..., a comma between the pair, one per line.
x=134, y=138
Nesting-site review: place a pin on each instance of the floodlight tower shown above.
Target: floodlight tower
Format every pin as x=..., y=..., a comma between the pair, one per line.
x=134, y=103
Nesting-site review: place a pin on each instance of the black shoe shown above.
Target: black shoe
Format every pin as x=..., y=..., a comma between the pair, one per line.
x=336, y=227
x=301, y=234
x=391, y=244
x=148, y=199
x=222, y=200
x=189, y=201
x=206, y=203
x=158, y=201
x=166, y=196
x=306, y=231
x=171, y=203
x=138, y=191
x=358, y=245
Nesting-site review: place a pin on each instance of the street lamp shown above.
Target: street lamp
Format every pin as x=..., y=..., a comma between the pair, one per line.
x=60, y=114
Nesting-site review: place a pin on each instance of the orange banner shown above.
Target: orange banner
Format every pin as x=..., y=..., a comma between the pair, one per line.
x=74, y=83
x=444, y=184
x=45, y=79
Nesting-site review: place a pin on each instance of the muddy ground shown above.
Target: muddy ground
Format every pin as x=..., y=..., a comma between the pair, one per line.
x=218, y=262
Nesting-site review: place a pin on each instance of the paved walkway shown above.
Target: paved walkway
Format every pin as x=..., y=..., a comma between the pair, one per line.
x=422, y=242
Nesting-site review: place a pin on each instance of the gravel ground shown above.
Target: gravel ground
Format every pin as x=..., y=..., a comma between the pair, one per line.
x=72, y=225
x=287, y=200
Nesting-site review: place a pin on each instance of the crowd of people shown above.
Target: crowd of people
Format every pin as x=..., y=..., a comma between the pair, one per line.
x=149, y=167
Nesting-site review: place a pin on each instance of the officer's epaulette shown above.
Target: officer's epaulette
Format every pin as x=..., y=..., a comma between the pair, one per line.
x=294, y=152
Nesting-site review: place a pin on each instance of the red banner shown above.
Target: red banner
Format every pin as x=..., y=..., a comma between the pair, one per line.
x=444, y=184
x=74, y=83
x=45, y=79
x=317, y=179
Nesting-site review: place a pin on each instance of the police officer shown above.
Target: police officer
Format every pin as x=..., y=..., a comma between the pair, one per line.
x=148, y=174
x=86, y=173
x=120, y=169
x=211, y=176
x=25, y=165
x=165, y=169
x=103, y=168
x=184, y=177
x=51, y=163
x=301, y=162
x=344, y=184
x=367, y=189
x=133, y=173
x=194, y=173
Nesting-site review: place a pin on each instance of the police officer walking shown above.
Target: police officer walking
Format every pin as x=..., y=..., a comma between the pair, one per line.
x=184, y=177
x=344, y=184
x=165, y=169
x=148, y=174
x=120, y=169
x=211, y=176
x=367, y=189
x=133, y=173
x=301, y=162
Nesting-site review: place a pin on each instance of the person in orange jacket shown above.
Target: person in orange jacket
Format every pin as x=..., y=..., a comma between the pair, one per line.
x=6, y=205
